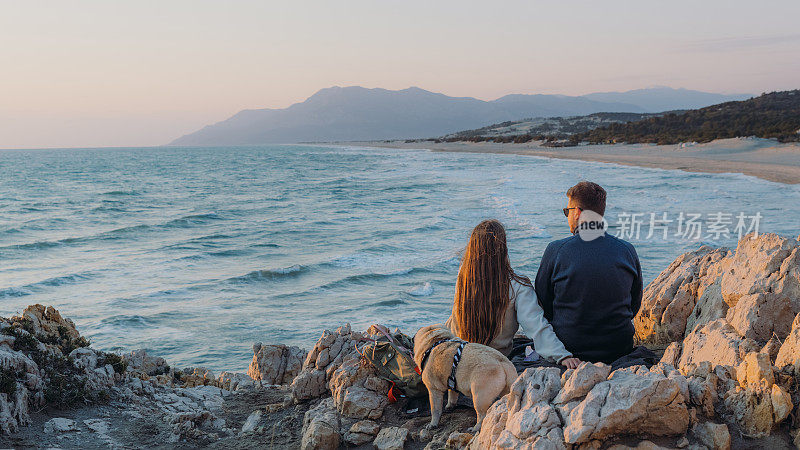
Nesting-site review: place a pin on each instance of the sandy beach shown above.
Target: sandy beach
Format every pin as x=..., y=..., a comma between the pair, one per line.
x=762, y=158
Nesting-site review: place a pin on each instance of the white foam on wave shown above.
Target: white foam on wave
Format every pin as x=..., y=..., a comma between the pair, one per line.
x=381, y=264
x=508, y=212
x=423, y=290
x=286, y=270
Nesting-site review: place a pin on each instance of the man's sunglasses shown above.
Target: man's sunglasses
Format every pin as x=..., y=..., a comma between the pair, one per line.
x=566, y=210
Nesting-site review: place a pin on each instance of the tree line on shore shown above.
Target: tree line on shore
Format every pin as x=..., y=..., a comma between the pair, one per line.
x=774, y=115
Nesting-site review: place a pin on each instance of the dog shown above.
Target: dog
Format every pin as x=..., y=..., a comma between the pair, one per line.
x=483, y=373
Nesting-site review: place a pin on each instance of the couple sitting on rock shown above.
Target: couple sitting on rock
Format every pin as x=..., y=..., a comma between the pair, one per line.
x=580, y=308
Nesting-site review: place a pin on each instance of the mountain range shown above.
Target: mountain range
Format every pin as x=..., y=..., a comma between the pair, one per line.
x=356, y=113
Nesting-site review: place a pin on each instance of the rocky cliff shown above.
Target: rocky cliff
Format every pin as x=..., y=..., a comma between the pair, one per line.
x=727, y=321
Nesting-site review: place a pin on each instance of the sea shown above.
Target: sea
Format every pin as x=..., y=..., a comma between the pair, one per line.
x=196, y=253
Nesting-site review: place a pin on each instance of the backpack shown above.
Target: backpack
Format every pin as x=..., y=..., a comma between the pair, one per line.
x=392, y=358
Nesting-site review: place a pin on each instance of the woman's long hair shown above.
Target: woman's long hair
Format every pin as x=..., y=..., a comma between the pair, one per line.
x=482, y=288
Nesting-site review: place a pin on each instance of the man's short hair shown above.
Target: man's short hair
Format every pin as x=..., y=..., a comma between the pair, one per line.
x=588, y=195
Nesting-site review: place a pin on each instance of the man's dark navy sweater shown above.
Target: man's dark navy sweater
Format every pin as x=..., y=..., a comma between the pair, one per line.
x=590, y=291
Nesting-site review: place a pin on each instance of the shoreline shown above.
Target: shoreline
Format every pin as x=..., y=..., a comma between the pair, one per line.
x=761, y=158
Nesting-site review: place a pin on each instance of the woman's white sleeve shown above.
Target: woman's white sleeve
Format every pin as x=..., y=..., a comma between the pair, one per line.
x=531, y=317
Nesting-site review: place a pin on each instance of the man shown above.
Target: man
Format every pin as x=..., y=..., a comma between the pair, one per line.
x=590, y=288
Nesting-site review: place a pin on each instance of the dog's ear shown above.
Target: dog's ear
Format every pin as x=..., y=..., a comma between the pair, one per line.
x=419, y=337
x=429, y=335
x=439, y=331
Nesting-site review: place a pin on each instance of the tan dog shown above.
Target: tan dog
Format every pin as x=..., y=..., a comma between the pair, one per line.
x=483, y=373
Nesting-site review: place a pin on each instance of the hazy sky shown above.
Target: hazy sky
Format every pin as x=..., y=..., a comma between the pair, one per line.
x=116, y=73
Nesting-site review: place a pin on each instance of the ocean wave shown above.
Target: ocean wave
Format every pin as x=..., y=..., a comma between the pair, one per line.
x=509, y=214
x=270, y=274
x=153, y=297
x=66, y=279
x=182, y=222
x=295, y=271
x=43, y=223
x=14, y=292
x=421, y=229
x=37, y=245
x=102, y=209
x=412, y=187
x=423, y=290
x=371, y=257
x=121, y=193
x=31, y=288
x=229, y=252
x=47, y=244
x=203, y=241
x=396, y=302
x=366, y=278
x=191, y=220
x=127, y=321
x=266, y=245
x=121, y=230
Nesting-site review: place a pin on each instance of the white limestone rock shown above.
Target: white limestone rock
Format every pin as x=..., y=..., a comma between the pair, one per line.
x=275, y=364
x=715, y=436
x=647, y=402
x=391, y=438
x=250, y=424
x=716, y=342
x=60, y=425
x=321, y=427
x=789, y=353
x=331, y=349
x=140, y=363
x=582, y=381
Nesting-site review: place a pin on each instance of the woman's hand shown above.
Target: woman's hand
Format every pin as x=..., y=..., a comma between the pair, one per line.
x=571, y=363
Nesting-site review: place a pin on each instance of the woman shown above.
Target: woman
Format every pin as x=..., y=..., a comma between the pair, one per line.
x=492, y=301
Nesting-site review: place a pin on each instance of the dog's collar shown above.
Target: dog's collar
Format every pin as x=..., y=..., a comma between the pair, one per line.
x=451, y=380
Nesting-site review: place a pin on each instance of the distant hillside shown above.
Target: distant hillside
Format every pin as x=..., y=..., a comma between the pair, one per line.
x=659, y=99
x=774, y=115
x=356, y=113
x=543, y=128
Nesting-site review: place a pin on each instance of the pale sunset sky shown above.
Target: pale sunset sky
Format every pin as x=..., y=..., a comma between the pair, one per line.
x=138, y=73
